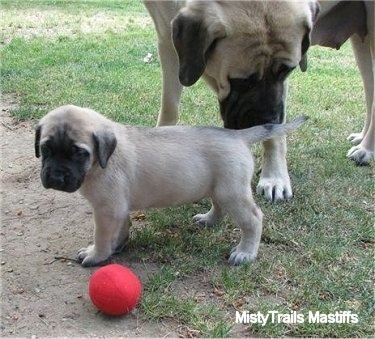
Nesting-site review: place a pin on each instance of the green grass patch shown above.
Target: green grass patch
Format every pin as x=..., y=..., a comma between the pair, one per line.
x=317, y=249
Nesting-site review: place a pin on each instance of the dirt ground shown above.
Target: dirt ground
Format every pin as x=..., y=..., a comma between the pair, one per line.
x=41, y=295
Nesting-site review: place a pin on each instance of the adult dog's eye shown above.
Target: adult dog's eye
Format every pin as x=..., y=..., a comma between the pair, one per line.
x=282, y=70
x=245, y=84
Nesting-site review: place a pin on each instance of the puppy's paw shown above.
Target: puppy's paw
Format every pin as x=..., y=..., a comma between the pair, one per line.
x=204, y=219
x=275, y=188
x=89, y=258
x=238, y=257
x=360, y=155
x=355, y=138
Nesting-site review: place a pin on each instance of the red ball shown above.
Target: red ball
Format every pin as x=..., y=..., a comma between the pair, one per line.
x=114, y=289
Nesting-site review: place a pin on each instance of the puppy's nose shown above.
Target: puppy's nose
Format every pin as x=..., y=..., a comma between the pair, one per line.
x=56, y=179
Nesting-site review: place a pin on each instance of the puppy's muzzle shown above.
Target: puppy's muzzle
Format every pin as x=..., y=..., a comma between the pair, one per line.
x=60, y=179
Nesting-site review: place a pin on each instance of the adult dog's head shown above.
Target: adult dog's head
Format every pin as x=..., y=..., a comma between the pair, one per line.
x=245, y=50
x=71, y=140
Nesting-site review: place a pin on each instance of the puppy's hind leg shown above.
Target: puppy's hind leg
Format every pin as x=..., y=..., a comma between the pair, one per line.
x=210, y=218
x=249, y=217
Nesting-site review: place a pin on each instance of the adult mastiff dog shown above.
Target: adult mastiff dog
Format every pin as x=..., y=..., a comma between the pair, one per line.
x=245, y=51
x=337, y=22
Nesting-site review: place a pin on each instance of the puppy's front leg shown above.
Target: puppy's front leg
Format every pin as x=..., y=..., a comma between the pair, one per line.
x=110, y=234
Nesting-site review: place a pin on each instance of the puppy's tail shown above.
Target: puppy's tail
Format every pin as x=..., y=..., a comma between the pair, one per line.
x=269, y=131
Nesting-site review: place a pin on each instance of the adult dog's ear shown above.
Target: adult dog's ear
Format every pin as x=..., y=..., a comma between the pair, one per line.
x=38, y=131
x=105, y=143
x=304, y=47
x=192, y=37
x=306, y=41
x=340, y=23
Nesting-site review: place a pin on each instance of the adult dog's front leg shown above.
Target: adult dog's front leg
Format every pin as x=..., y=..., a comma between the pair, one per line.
x=363, y=152
x=274, y=183
x=162, y=13
x=111, y=232
x=172, y=88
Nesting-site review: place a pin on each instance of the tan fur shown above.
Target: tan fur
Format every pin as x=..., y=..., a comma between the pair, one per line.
x=338, y=21
x=249, y=36
x=165, y=166
x=254, y=35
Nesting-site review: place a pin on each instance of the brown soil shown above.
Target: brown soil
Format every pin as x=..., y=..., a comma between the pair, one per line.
x=41, y=295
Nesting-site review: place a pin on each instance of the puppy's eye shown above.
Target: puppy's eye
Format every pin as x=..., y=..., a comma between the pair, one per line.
x=79, y=152
x=45, y=150
x=75, y=149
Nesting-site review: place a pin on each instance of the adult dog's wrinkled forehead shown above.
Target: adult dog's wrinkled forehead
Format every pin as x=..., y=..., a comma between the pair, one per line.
x=239, y=39
x=245, y=50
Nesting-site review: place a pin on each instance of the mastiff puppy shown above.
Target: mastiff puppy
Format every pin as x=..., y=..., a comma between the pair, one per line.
x=337, y=22
x=244, y=50
x=122, y=168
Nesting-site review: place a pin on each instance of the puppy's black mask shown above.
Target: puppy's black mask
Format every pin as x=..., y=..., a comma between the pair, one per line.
x=64, y=164
x=256, y=101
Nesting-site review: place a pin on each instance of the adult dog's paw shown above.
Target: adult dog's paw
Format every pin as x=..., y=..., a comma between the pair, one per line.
x=355, y=138
x=88, y=257
x=360, y=155
x=275, y=188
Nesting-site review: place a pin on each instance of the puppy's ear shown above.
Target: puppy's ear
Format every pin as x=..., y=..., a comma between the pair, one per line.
x=38, y=130
x=192, y=37
x=105, y=143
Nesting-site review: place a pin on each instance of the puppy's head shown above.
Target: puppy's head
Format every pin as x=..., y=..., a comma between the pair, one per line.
x=72, y=141
x=245, y=50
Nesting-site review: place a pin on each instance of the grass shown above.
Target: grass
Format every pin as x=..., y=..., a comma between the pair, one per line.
x=317, y=249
